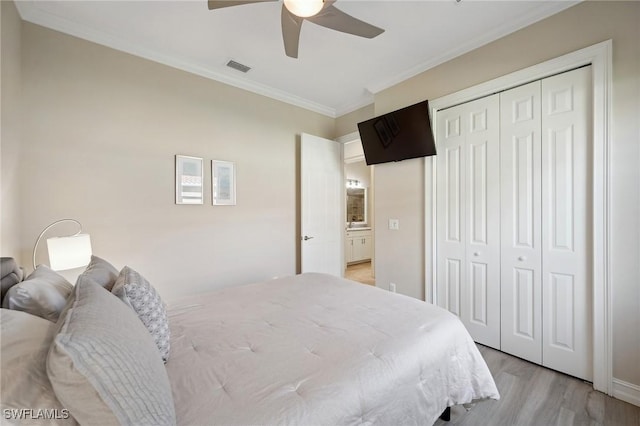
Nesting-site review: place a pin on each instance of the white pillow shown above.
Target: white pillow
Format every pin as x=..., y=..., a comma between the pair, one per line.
x=27, y=395
x=133, y=289
x=104, y=366
x=44, y=293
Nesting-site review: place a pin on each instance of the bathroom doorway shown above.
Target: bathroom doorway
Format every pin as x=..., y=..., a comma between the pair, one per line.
x=359, y=219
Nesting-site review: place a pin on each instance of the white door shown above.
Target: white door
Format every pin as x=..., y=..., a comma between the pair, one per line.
x=521, y=262
x=322, y=205
x=545, y=183
x=468, y=203
x=451, y=225
x=566, y=238
x=533, y=194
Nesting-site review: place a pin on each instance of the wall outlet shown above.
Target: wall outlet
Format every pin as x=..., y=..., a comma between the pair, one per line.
x=394, y=224
x=392, y=287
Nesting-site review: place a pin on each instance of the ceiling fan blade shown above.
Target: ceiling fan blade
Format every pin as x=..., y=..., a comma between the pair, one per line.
x=291, y=25
x=334, y=18
x=219, y=4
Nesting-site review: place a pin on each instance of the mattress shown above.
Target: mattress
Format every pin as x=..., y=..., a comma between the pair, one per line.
x=319, y=350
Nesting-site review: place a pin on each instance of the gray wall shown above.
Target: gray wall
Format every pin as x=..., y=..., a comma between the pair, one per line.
x=10, y=136
x=100, y=132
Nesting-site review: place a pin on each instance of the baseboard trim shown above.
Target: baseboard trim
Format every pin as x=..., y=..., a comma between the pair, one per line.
x=627, y=392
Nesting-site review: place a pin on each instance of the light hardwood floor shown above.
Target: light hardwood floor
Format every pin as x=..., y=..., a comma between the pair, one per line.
x=534, y=395
x=360, y=272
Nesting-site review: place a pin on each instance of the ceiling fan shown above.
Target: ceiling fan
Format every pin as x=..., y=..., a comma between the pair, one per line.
x=320, y=12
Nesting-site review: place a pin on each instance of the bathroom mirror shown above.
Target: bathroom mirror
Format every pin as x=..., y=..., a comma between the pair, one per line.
x=356, y=206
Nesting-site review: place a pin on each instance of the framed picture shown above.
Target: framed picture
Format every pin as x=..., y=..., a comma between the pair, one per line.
x=189, y=180
x=223, y=183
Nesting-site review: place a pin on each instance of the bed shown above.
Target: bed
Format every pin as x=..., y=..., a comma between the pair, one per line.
x=309, y=349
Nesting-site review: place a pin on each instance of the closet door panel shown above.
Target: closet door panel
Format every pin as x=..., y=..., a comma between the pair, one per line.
x=450, y=209
x=468, y=222
x=566, y=155
x=520, y=201
x=481, y=290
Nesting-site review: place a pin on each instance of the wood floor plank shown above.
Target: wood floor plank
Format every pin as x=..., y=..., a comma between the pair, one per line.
x=595, y=406
x=532, y=395
x=542, y=399
x=565, y=417
x=360, y=272
x=620, y=413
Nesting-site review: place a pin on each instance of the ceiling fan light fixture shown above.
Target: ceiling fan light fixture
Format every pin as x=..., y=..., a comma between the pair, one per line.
x=304, y=8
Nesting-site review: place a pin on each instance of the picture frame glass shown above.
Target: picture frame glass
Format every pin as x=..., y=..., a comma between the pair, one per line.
x=223, y=183
x=189, y=180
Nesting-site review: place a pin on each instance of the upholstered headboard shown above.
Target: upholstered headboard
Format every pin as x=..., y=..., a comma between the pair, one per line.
x=11, y=274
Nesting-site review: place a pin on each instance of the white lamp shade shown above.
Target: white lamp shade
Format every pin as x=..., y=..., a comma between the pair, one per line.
x=304, y=8
x=69, y=252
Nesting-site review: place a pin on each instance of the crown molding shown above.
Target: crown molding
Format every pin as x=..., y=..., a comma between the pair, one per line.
x=544, y=10
x=31, y=13
x=363, y=101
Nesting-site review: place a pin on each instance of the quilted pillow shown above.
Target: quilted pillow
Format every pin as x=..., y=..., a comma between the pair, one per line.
x=44, y=294
x=103, y=365
x=101, y=272
x=133, y=289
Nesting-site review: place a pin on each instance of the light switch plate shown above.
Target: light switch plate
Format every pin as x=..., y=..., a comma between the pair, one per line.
x=394, y=224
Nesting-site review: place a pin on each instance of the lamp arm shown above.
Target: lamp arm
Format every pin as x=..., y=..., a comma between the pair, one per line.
x=35, y=247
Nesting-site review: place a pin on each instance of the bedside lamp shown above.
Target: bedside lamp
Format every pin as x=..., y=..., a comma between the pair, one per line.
x=73, y=251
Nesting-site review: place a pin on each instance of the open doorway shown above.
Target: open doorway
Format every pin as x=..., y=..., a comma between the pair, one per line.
x=359, y=218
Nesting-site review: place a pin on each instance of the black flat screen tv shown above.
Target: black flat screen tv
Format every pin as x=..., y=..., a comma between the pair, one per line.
x=399, y=135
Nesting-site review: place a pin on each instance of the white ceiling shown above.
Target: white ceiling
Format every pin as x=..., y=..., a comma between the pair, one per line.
x=334, y=74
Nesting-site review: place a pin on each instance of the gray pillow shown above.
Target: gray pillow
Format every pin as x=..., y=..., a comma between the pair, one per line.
x=10, y=274
x=44, y=293
x=25, y=343
x=101, y=272
x=135, y=291
x=104, y=366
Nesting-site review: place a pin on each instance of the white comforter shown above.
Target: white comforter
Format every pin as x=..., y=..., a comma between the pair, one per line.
x=318, y=350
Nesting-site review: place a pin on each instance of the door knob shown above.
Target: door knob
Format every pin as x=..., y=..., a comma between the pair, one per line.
x=306, y=238
x=521, y=258
x=477, y=253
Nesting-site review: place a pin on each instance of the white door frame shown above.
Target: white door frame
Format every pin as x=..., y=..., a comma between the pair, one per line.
x=599, y=56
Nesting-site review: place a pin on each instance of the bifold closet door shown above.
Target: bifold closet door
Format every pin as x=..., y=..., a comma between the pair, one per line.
x=546, y=309
x=468, y=216
x=521, y=251
x=566, y=217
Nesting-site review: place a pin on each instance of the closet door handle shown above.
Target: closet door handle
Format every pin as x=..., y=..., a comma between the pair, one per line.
x=476, y=254
x=522, y=258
